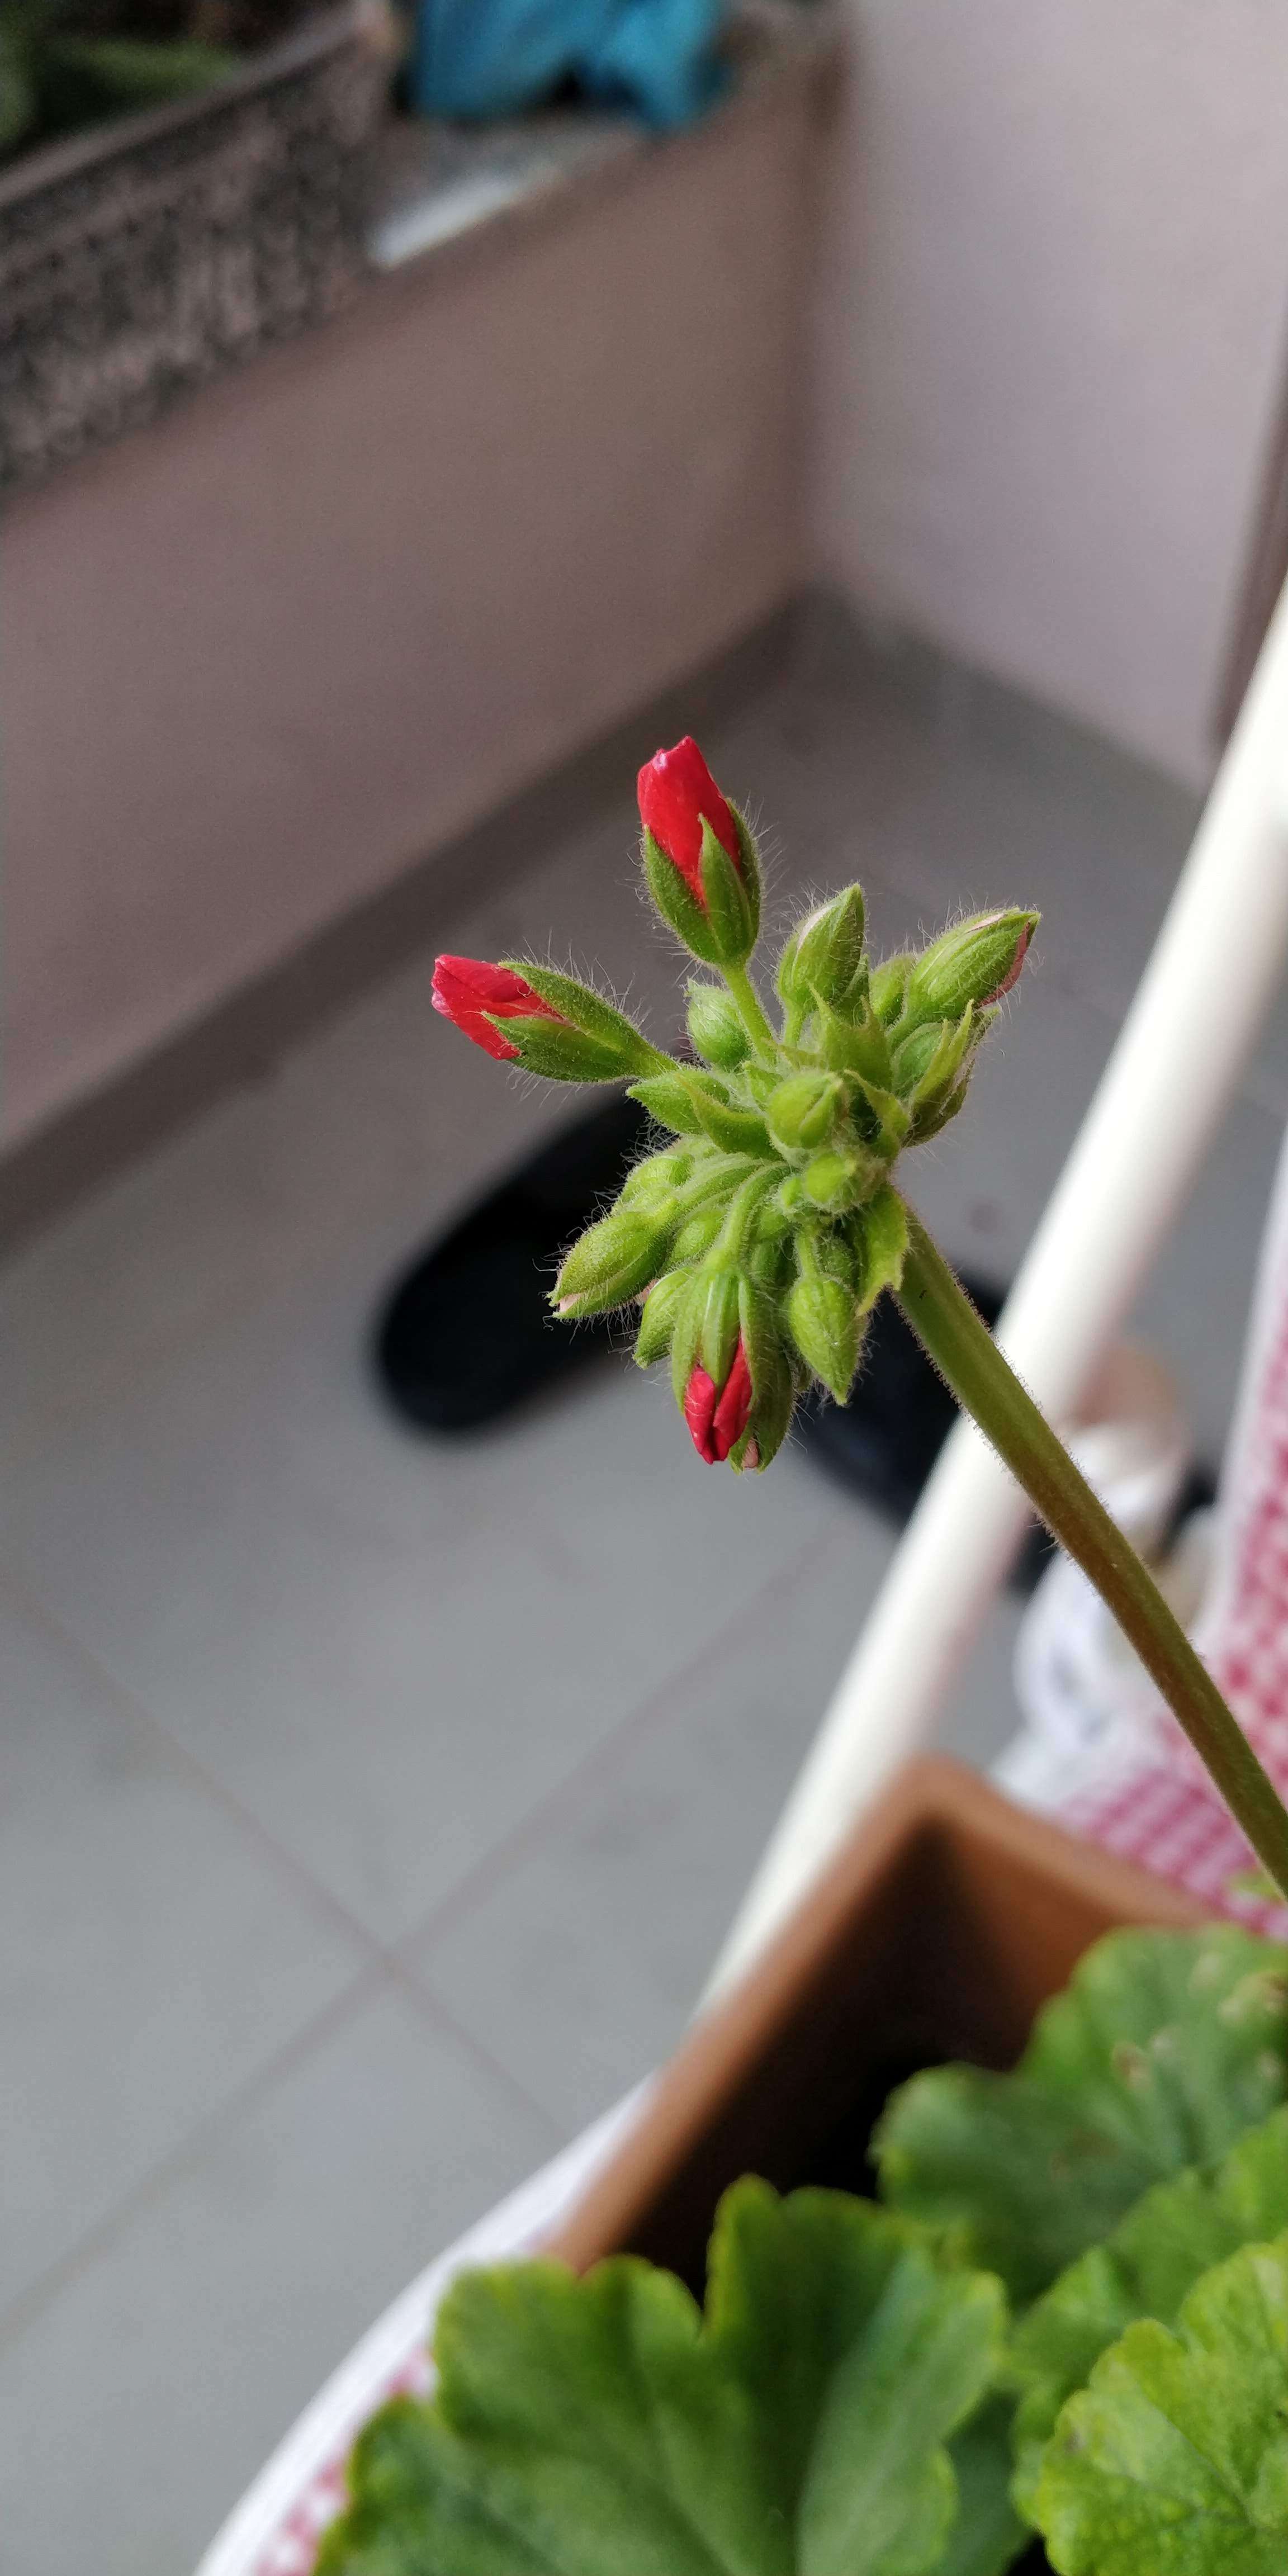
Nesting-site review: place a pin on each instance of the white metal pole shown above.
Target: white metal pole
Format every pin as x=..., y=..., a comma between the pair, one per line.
x=1178, y=1059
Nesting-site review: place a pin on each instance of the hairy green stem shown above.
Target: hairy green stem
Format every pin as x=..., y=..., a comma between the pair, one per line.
x=986, y=1386
x=752, y=1016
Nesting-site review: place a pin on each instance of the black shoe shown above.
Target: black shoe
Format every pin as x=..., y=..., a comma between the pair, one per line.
x=466, y=1333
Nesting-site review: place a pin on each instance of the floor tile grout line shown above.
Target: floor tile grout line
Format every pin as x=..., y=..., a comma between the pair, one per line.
x=17, y=1577
x=647, y=1715
x=373, y=1977
x=427, y=2001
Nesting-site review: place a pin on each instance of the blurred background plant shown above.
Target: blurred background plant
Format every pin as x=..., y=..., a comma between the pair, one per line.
x=69, y=63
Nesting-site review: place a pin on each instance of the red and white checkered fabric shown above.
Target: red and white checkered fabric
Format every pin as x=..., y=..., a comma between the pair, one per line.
x=1165, y=1814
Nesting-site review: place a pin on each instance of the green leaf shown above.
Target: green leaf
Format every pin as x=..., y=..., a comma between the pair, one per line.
x=1145, y=2269
x=603, y=2427
x=1174, y=2462
x=1165, y=2047
x=988, y=2535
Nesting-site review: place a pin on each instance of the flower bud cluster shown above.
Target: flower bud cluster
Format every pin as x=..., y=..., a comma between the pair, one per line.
x=757, y=1241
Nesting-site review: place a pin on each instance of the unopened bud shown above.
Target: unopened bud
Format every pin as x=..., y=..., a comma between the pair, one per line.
x=654, y=1182
x=575, y=1035
x=699, y=857
x=715, y=1028
x=823, y=959
x=823, y=1320
x=976, y=961
x=698, y=1232
x=835, y=1181
x=887, y=987
x=803, y=1111
x=657, y=1321
x=612, y=1262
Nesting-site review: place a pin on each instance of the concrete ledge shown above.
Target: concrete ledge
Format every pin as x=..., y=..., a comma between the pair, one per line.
x=266, y=657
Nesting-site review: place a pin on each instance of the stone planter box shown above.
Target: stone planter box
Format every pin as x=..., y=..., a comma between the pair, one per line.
x=147, y=255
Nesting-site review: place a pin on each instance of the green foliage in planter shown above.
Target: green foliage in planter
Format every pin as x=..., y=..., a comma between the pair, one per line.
x=1164, y=2049
x=69, y=63
x=1175, y=2457
x=1145, y=2269
x=848, y=2405
x=604, y=2427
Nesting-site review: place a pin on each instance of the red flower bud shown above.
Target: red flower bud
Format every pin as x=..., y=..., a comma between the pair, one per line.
x=677, y=792
x=717, y=1416
x=465, y=989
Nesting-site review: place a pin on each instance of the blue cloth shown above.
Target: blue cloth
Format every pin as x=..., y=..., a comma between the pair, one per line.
x=480, y=58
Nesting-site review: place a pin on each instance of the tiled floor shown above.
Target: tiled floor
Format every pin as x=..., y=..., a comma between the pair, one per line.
x=371, y=1811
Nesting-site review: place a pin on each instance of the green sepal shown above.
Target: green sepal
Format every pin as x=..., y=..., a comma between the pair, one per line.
x=972, y=962
x=823, y=1319
x=587, y=1010
x=657, y=1320
x=696, y=1104
x=930, y=1074
x=679, y=907
x=715, y=1027
x=558, y=1053
x=773, y=1386
x=668, y=1097
x=930, y=1122
x=887, y=987
x=890, y=1120
x=879, y=1231
x=718, y=1320
x=803, y=1111
x=734, y=1130
x=732, y=904
x=611, y=1262
x=823, y=960
x=855, y=1045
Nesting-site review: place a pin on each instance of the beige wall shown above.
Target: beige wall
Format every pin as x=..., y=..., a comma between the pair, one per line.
x=261, y=658
x=1053, y=304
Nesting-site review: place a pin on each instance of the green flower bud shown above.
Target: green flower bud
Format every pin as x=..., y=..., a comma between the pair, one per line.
x=697, y=1233
x=654, y=1182
x=823, y=959
x=612, y=1262
x=823, y=1320
x=715, y=1029
x=657, y=1322
x=835, y=1180
x=881, y=1229
x=975, y=961
x=887, y=987
x=804, y=1110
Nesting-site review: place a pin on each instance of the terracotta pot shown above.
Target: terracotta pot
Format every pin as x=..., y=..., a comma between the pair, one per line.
x=949, y=1917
